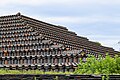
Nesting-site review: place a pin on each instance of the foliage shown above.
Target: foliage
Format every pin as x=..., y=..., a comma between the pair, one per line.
x=3, y=71
x=98, y=43
x=100, y=65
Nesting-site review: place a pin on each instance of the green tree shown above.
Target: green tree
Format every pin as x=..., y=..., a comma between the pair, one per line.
x=100, y=65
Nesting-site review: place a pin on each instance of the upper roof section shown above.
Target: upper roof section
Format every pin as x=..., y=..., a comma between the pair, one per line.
x=56, y=33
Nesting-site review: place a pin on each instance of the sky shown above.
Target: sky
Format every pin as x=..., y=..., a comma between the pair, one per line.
x=98, y=20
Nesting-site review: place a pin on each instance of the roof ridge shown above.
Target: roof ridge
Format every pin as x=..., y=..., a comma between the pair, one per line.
x=61, y=27
x=18, y=14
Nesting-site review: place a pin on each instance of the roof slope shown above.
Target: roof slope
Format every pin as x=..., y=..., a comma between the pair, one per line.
x=58, y=34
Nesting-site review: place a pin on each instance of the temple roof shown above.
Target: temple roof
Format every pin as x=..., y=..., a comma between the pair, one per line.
x=56, y=33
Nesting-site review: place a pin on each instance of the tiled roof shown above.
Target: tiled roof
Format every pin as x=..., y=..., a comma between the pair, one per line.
x=56, y=33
